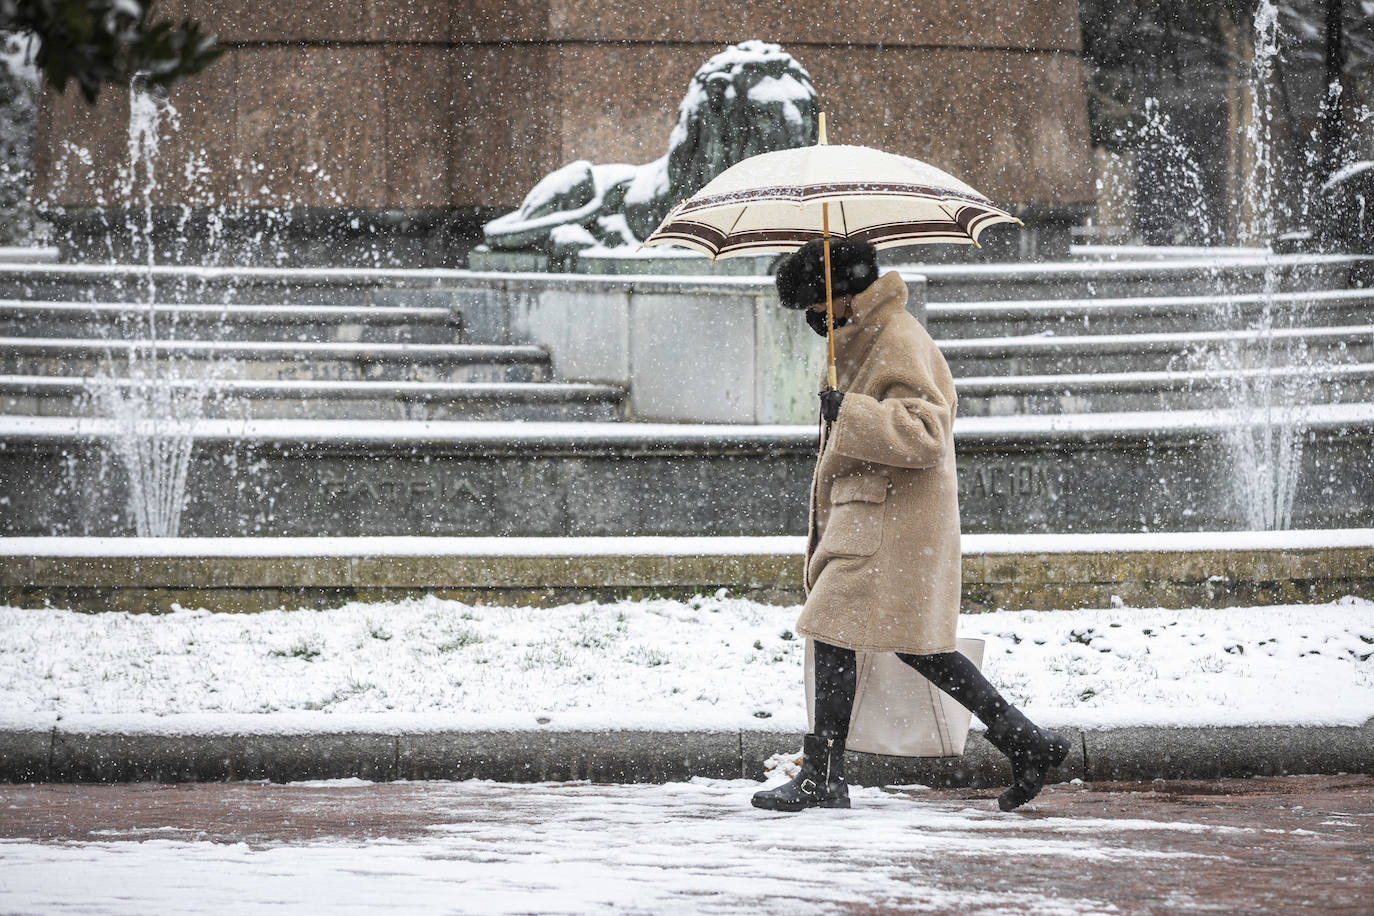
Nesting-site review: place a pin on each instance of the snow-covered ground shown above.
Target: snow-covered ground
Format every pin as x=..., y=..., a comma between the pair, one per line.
x=711, y=662
x=680, y=848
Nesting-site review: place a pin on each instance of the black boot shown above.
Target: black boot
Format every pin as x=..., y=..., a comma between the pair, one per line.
x=1031, y=752
x=820, y=784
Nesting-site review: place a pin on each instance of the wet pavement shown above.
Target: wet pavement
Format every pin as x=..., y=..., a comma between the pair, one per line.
x=1291, y=844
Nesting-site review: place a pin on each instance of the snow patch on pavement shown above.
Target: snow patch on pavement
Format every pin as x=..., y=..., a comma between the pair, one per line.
x=676, y=848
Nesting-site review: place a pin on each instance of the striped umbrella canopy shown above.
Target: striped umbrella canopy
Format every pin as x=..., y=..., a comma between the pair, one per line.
x=779, y=201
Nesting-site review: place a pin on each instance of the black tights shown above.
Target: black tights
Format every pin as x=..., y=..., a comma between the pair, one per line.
x=836, y=676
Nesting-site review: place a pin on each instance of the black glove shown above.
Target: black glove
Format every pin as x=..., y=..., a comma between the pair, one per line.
x=830, y=404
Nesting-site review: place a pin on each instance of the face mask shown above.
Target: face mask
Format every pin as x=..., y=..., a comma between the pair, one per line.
x=817, y=321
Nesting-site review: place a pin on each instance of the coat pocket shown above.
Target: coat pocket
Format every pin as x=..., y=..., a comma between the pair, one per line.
x=855, y=526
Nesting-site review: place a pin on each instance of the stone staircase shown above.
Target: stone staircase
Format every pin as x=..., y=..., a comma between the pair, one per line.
x=219, y=322
x=1183, y=351
x=1093, y=397
x=359, y=362
x=1086, y=393
x=1182, y=312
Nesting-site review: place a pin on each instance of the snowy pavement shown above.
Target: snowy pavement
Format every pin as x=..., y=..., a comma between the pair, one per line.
x=711, y=663
x=1293, y=845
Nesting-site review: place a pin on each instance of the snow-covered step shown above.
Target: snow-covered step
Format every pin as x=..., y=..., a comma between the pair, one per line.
x=1106, y=392
x=27, y=254
x=1047, y=354
x=53, y=396
x=1126, y=471
x=359, y=323
x=219, y=285
x=1160, y=314
x=1075, y=278
x=1079, y=279
x=279, y=359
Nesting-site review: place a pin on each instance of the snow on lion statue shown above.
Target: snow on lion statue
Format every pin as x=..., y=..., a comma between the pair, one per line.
x=751, y=98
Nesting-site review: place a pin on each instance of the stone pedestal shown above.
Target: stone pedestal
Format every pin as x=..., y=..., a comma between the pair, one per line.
x=606, y=262
x=399, y=125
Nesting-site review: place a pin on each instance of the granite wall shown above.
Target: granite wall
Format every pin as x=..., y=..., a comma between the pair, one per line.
x=416, y=112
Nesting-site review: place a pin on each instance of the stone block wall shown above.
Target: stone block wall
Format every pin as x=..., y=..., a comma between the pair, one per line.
x=437, y=107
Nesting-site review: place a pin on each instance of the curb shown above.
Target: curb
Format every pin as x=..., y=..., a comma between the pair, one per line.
x=1117, y=754
x=1012, y=571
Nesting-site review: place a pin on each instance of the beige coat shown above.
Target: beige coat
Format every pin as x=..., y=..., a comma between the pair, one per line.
x=882, y=558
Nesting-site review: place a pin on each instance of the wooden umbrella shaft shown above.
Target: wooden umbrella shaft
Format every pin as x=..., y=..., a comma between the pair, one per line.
x=829, y=304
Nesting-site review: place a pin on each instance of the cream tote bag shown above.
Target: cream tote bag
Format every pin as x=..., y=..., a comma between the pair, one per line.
x=897, y=712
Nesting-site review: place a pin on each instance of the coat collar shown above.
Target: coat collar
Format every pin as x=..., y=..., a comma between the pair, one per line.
x=886, y=295
x=872, y=309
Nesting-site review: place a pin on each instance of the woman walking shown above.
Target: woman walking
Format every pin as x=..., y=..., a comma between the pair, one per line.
x=882, y=559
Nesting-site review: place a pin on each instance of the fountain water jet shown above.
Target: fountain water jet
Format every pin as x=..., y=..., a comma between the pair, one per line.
x=1261, y=405
x=1264, y=411
x=150, y=408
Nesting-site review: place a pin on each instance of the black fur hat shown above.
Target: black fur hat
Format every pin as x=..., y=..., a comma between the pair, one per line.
x=801, y=276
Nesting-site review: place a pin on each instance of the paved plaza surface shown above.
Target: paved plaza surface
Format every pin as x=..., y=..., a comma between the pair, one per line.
x=1292, y=845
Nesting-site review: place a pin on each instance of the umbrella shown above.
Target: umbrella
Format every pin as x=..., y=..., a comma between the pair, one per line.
x=779, y=201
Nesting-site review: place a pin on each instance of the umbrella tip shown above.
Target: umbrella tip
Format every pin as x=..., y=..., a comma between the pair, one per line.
x=820, y=130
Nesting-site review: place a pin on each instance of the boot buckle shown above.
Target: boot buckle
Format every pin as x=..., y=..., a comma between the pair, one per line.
x=808, y=786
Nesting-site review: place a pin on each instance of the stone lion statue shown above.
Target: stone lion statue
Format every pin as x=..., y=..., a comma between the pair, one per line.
x=751, y=98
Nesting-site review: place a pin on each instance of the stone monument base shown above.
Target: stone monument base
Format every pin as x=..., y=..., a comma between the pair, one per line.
x=1046, y=236
x=619, y=263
